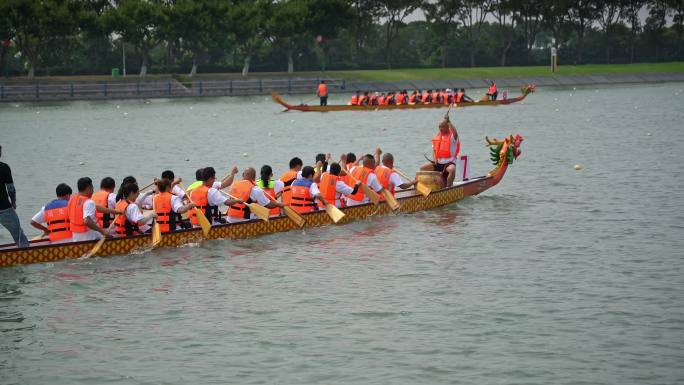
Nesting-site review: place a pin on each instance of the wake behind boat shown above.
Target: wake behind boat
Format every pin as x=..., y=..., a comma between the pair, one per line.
x=410, y=106
x=503, y=154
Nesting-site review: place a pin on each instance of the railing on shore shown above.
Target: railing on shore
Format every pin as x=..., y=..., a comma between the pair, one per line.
x=160, y=88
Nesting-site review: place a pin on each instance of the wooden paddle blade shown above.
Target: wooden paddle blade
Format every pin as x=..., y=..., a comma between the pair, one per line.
x=95, y=249
x=391, y=200
x=260, y=211
x=37, y=237
x=372, y=195
x=156, y=234
x=294, y=216
x=423, y=189
x=203, y=222
x=334, y=213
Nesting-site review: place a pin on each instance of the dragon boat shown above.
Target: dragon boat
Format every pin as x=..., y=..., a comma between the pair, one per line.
x=503, y=154
x=526, y=90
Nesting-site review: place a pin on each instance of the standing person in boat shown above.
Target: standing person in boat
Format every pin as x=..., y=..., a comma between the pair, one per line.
x=333, y=187
x=82, y=217
x=168, y=206
x=323, y=93
x=132, y=222
x=492, y=92
x=388, y=178
x=207, y=197
x=105, y=198
x=55, y=216
x=364, y=173
x=247, y=191
x=445, y=148
x=304, y=192
x=267, y=184
x=282, y=187
x=8, y=205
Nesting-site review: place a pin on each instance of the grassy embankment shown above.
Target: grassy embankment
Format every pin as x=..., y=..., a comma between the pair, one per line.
x=404, y=74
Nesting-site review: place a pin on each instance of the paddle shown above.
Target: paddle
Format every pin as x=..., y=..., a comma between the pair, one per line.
x=99, y=243
x=391, y=200
x=258, y=210
x=333, y=212
x=201, y=218
x=420, y=186
x=290, y=212
x=156, y=229
x=38, y=237
x=372, y=195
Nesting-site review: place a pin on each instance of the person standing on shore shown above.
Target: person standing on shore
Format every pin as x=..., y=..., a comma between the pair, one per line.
x=8, y=205
x=323, y=93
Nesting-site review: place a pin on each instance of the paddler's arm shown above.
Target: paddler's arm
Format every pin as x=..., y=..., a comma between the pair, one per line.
x=229, y=179
x=38, y=219
x=40, y=227
x=141, y=197
x=318, y=171
x=106, y=210
x=452, y=128
x=377, y=154
x=88, y=221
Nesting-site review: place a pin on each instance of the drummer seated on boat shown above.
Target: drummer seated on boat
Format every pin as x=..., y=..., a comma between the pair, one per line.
x=388, y=178
x=332, y=186
x=246, y=190
x=82, y=218
x=55, y=215
x=445, y=148
x=304, y=192
x=132, y=222
x=168, y=206
x=208, y=197
x=364, y=173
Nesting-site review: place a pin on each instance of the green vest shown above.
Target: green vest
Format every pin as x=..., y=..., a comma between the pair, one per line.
x=260, y=183
x=195, y=185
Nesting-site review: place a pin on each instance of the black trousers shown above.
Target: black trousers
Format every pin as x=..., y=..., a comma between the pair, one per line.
x=324, y=100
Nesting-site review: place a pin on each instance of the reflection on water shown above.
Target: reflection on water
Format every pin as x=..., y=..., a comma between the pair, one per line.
x=554, y=276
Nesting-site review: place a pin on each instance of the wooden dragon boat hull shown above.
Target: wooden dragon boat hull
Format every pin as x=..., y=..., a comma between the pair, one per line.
x=306, y=108
x=41, y=252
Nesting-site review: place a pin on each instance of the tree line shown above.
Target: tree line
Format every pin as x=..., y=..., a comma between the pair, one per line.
x=91, y=36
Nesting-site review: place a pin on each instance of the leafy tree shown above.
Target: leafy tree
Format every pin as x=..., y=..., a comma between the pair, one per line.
x=441, y=15
x=394, y=12
x=472, y=14
x=655, y=24
x=631, y=10
x=677, y=11
x=530, y=17
x=609, y=14
x=506, y=14
x=582, y=14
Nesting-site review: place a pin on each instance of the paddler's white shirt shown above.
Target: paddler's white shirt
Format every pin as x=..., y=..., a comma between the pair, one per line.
x=134, y=215
x=279, y=185
x=111, y=201
x=88, y=212
x=394, y=180
x=341, y=188
x=256, y=195
x=371, y=182
x=176, y=191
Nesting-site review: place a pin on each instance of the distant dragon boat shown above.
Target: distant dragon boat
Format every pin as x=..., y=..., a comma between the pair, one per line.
x=526, y=90
x=502, y=155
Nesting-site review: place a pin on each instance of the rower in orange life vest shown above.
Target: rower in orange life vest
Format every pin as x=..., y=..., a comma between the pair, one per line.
x=225, y=182
x=492, y=92
x=267, y=184
x=105, y=198
x=323, y=93
x=354, y=101
x=82, y=219
x=364, y=100
x=132, y=222
x=55, y=215
x=364, y=173
x=389, y=179
x=282, y=187
x=462, y=97
x=207, y=197
x=304, y=192
x=174, y=189
x=445, y=147
x=332, y=186
x=247, y=191
x=168, y=206
x=402, y=97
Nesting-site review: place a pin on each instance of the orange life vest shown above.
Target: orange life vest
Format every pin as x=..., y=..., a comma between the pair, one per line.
x=199, y=198
x=424, y=98
x=328, y=188
x=361, y=174
x=269, y=191
x=101, y=198
x=287, y=179
x=354, y=100
x=414, y=98
x=383, y=174
x=122, y=225
x=401, y=99
x=322, y=90
x=302, y=201
x=75, y=208
x=459, y=96
x=441, y=145
x=57, y=220
x=241, y=190
x=363, y=100
x=492, y=89
x=166, y=217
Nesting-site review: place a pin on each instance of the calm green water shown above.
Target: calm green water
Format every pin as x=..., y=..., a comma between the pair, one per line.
x=553, y=277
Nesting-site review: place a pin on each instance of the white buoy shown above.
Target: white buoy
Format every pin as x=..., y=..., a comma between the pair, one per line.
x=578, y=167
x=557, y=110
x=191, y=107
x=118, y=106
x=270, y=134
x=555, y=99
x=214, y=115
x=244, y=154
x=571, y=94
x=16, y=105
x=81, y=163
x=574, y=88
x=292, y=121
x=187, y=160
x=648, y=134
x=37, y=112
x=125, y=114
x=635, y=107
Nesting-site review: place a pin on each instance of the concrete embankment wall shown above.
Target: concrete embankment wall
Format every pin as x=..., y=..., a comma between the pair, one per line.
x=170, y=88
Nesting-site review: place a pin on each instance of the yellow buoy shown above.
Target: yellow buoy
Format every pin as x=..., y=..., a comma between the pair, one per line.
x=578, y=167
